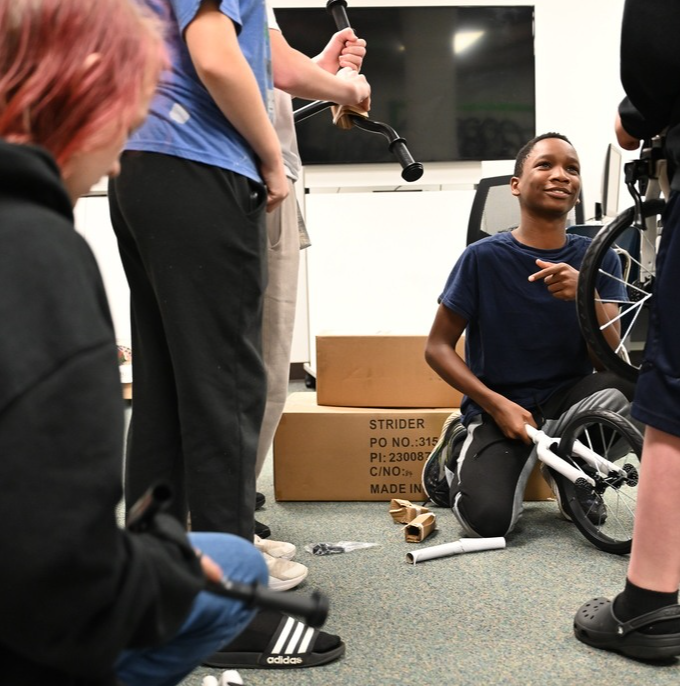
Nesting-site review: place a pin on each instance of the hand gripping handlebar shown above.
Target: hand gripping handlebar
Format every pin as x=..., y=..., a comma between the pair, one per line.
x=411, y=170
x=314, y=609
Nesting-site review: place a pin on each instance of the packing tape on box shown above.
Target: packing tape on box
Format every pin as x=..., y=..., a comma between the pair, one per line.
x=463, y=545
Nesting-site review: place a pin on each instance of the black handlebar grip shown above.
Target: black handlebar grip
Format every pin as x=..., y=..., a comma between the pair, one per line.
x=336, y=8
x=156, y=499
x=411, y=170
x=314, y=608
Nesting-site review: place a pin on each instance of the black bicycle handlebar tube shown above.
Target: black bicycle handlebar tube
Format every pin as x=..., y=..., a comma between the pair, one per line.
x=336, y=8
x=411, y=170
x=314, y=608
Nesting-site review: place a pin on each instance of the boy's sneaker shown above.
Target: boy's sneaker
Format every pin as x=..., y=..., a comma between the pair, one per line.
x=284, y=574
x=280, y=549
x=592, y=503
x=446, y=451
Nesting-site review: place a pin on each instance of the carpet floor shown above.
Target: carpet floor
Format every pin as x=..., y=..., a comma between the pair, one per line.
x=489, y=618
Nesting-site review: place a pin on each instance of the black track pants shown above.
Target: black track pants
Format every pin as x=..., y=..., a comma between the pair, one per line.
x=489, y=479
x=192, y=241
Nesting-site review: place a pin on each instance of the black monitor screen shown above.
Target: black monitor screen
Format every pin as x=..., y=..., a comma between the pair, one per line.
x=456, y=82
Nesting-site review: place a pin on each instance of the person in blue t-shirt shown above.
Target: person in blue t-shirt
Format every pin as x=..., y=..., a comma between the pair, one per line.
x=188, y=209
x=526, y=361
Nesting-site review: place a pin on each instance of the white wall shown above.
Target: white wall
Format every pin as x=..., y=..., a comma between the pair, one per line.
x=378, y=260
x=577, y=85
x=92, y=221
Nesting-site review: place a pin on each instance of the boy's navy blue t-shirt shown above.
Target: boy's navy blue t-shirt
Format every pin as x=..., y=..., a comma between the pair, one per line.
x=520, y=340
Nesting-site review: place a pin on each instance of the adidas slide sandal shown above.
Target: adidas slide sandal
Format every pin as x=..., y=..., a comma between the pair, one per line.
x=276, y=641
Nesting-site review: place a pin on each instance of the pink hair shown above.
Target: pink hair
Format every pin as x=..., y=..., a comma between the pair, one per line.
x=52, y=92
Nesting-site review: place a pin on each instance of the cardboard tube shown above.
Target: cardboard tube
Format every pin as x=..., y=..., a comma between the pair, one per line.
x=463, y=545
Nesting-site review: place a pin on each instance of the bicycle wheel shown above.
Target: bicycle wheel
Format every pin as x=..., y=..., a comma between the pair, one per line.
x=604, y=513
x=637, y=249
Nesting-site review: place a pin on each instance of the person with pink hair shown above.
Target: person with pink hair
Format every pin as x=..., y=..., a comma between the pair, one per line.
x=85, y=601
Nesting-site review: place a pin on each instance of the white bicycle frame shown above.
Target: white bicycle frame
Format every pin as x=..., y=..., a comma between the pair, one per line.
x=548, y=457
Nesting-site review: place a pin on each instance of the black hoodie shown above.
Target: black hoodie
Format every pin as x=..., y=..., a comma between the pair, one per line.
x=75, y=588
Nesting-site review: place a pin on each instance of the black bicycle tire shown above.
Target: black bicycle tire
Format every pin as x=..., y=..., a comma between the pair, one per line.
x=586, y=304
x=586, y=285
x=589, y=530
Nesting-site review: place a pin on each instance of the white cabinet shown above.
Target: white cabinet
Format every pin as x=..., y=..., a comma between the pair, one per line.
x=379, y=260
x=92, y=221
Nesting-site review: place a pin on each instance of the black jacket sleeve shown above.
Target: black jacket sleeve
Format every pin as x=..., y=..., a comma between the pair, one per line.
x=77, y=588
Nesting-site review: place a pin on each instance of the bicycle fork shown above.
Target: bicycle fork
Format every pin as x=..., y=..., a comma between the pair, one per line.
x=603, y=468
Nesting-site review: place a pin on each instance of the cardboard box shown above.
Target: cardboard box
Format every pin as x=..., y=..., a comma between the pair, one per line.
x=349, y=453
x=379, y=371
x=325, y=453
x=536, y=487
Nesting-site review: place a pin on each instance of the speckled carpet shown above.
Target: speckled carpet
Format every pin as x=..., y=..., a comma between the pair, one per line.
x=483, y=619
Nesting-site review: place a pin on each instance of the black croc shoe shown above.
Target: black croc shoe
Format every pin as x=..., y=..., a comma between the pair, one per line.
x=596, y=625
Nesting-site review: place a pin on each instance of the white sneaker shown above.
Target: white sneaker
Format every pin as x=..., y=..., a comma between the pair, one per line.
x=280, y=549
x=284, y=574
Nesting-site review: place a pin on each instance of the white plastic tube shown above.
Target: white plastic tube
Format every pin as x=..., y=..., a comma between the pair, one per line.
x=463, y=545
x=228, y=678
x=231, y=678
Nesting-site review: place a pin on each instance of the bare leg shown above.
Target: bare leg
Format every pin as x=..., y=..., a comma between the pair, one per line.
x=654, y=562
x=643, y=621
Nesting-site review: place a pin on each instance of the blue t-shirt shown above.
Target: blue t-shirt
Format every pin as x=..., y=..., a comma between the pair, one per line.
x=520, y=341
x=183, y=120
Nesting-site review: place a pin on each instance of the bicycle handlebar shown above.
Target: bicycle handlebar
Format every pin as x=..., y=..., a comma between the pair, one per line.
x=336, y=8
x=533, y=433
x=309, y=110
x=314, y=608
x=411, y=170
